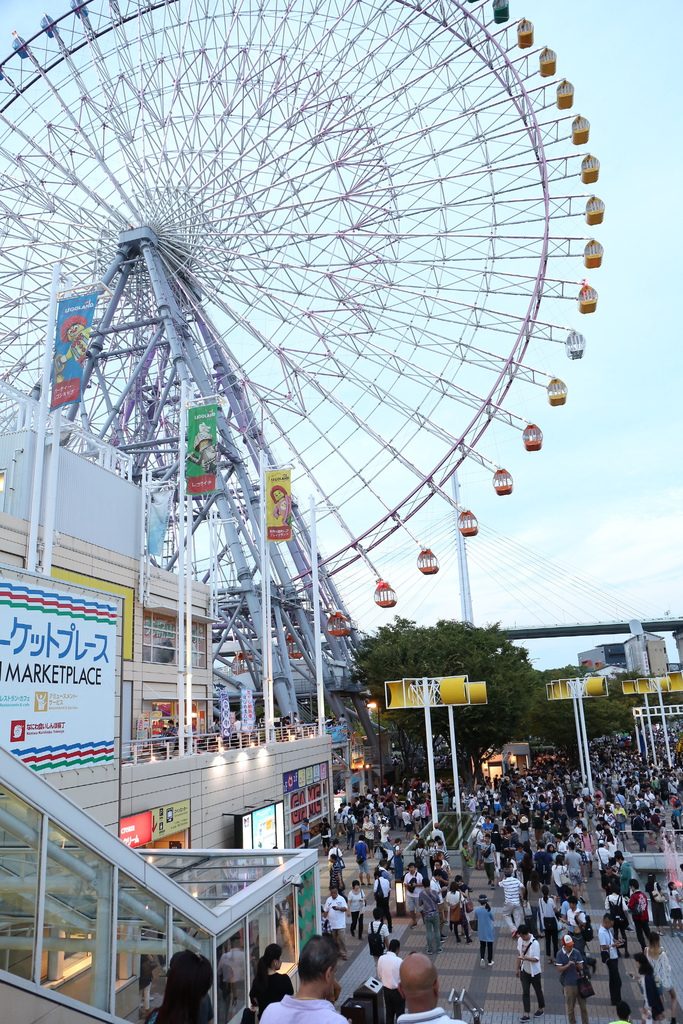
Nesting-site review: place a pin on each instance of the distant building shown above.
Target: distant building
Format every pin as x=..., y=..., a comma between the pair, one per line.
x=646, y=655
x=603, y=656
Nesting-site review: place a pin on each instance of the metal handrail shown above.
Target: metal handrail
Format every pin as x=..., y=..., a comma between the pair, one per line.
x=463, y=999
x=166, y=748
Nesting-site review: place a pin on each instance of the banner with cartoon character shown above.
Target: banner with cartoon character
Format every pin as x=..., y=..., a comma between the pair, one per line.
x=72, y=337
x=279, y=505
x=201, y=458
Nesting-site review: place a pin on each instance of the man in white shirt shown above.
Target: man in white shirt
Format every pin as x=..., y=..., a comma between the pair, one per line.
x=335, y=910
x=318, y=988
x=529, y=971
x=388, y=967
x=609, y=953
x=381, y=891
x=413, y=884
x=419, y=986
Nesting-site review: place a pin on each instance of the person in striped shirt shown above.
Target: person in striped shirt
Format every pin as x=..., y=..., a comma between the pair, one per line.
x=514, y=893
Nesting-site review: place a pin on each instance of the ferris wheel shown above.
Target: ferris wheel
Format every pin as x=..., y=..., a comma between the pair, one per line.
x=357, y=224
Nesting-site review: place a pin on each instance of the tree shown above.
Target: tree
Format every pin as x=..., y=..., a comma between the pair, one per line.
x=553, y=721
x=404, y=650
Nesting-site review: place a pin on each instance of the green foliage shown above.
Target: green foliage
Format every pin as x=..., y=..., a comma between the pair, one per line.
x=405, y=650
x=518, y=708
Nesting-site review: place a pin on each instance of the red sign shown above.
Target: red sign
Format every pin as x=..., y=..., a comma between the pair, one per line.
x=136, y=830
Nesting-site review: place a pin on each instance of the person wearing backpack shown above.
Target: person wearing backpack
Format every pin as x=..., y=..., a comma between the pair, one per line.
x=381, y=891
x=637, y=904
x=378, y=935
x=615, y=906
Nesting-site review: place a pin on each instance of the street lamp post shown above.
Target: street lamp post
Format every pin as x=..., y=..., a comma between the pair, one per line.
x=375, y=705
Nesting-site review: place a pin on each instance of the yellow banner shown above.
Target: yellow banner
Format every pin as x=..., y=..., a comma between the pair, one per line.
x=596, y=686
x=278, y=505
x=477, y=693
x=455, y=690
x=675, y=682
x=639, y=686
x=558, y=689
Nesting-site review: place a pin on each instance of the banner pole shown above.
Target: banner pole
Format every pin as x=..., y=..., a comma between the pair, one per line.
x=655, y=760
x=586, y=751
x=665, y=727
x=180, y=646
x=430, y=750
x=454, y=759
x=317, y=636
x=267, y=683
x=189, y=570
x=51, y=493
x=579, y=737
x=39, y=450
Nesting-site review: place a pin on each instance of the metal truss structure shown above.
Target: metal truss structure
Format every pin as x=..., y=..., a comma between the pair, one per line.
x=341, y=219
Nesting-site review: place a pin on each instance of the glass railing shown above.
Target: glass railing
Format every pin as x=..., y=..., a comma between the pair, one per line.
x=93, y=924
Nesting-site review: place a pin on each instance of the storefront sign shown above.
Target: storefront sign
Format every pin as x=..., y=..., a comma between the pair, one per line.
x=168, y=820
x=301, y=777
x=57, y=676
x=136, y=830
x=306, y=803
x=262, y=829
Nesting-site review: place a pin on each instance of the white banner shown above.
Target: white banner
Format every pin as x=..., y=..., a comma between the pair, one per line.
x=227, y=716
x=247, y=710
x=57, y=676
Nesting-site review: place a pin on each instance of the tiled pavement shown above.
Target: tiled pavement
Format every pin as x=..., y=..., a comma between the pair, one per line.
x=497, y=990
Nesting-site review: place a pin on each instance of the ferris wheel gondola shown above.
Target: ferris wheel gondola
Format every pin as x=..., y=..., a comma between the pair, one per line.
x=350, y=223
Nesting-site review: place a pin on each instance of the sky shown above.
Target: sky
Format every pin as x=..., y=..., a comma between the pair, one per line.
x=593, y=529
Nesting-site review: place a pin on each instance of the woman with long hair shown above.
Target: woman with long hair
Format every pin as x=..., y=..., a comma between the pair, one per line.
x=269, y=986
x=188, y=981
x=653, y=1007
x=661, y=966
x=657, y=901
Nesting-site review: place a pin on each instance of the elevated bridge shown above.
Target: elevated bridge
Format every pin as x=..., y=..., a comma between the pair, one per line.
x=592, y=629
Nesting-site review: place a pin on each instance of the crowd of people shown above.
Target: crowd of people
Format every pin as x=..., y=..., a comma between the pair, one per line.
x=542, y=845
x=540, y=837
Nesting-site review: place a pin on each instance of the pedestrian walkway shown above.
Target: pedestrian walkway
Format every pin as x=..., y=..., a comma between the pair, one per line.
x=497, y=989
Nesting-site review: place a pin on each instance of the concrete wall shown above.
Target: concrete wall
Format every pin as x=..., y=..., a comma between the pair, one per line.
x=81, y=567
x=218, y=784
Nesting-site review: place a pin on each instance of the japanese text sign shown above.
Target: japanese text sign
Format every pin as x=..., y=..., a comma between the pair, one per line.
x=57, y=676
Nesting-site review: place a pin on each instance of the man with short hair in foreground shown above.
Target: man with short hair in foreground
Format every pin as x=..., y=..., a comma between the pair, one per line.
x=318, y=988
x=419, y=986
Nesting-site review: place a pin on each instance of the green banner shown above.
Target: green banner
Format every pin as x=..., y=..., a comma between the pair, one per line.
x=201, y=452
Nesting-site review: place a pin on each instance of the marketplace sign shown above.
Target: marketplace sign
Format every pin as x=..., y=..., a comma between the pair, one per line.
x=57, y=676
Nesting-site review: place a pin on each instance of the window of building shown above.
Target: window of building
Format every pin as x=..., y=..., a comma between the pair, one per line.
x=160, y=640
x=198, y=645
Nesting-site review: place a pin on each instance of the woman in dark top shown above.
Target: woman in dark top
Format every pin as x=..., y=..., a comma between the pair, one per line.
x=186, y=999
x=657, y=901
x=269, y=986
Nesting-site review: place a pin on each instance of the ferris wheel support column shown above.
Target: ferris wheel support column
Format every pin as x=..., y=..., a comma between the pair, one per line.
x=39, y=449
x=463, y=572
x=317, y=638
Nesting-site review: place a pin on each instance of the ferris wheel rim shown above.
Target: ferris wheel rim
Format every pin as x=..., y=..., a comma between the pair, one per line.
x=474, y=430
